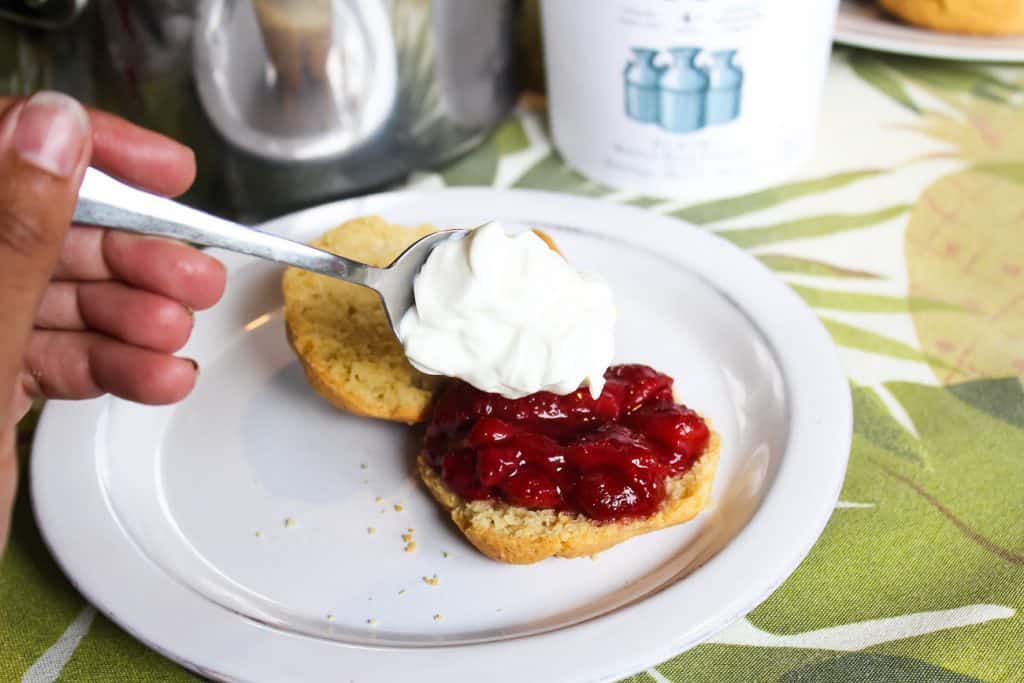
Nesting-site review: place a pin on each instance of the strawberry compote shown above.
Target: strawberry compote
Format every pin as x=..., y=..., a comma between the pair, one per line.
x=607, y=459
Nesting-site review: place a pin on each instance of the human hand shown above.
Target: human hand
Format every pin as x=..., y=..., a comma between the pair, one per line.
x=86, y=311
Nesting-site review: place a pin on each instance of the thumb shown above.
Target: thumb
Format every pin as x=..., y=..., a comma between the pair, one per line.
x=45, y=143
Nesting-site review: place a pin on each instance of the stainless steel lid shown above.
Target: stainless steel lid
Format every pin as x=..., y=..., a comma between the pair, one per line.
x=42, y=13
x=286, y=102
x=296, y=80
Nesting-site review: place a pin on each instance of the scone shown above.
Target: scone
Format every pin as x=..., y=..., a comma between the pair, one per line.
x=341, y=335
x=565, y=476
x=983, y=17
x=519, y=535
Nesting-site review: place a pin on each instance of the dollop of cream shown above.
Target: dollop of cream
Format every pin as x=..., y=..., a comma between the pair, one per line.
x=510, y=316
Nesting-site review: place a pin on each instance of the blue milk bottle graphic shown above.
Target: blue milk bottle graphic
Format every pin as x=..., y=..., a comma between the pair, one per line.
x=683, y=87
x=723, y=102
x=641, y=83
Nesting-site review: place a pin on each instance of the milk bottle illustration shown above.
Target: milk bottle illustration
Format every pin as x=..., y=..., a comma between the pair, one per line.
x=723, y=99
x=682, y=90
x=641, y=78
x=688, y=99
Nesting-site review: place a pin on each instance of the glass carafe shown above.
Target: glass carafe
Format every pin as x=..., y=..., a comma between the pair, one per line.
x=641, y=78
x=724, y=99
x=682, y=90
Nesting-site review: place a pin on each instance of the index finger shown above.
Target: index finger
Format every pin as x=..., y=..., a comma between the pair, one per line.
x=140, y=157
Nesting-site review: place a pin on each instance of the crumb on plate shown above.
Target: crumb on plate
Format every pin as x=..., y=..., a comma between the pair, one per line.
x=432, y=580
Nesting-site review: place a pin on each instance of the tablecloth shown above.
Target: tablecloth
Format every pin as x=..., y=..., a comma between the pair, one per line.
x=905, y=234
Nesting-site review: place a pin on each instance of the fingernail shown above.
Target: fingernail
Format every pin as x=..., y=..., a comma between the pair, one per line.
x=194, y=364
x=51, y=132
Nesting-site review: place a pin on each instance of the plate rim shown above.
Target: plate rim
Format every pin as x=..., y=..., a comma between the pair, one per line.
x=819, y=372
x=913, y=43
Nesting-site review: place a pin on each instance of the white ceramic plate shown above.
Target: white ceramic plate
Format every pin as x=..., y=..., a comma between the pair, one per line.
x=863, y=24
x=154, y=512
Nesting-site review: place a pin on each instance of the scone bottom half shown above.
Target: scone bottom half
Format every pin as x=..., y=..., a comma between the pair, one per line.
x=518, y=535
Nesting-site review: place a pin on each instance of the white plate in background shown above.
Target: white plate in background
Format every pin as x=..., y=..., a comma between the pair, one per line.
x=861, y=23
x=153, y=512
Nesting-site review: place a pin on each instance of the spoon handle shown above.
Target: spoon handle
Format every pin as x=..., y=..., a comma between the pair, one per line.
x=108, y=203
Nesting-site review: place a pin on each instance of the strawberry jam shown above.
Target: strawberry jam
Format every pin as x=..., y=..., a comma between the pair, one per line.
x=606, y=459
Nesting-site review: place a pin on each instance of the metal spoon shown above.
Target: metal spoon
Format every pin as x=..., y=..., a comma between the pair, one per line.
x=109, y=203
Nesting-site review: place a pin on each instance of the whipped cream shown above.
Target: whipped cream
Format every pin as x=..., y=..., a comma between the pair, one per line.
x=510, y=316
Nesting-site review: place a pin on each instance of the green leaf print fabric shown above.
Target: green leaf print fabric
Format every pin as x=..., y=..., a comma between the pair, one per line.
x=905, y=234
